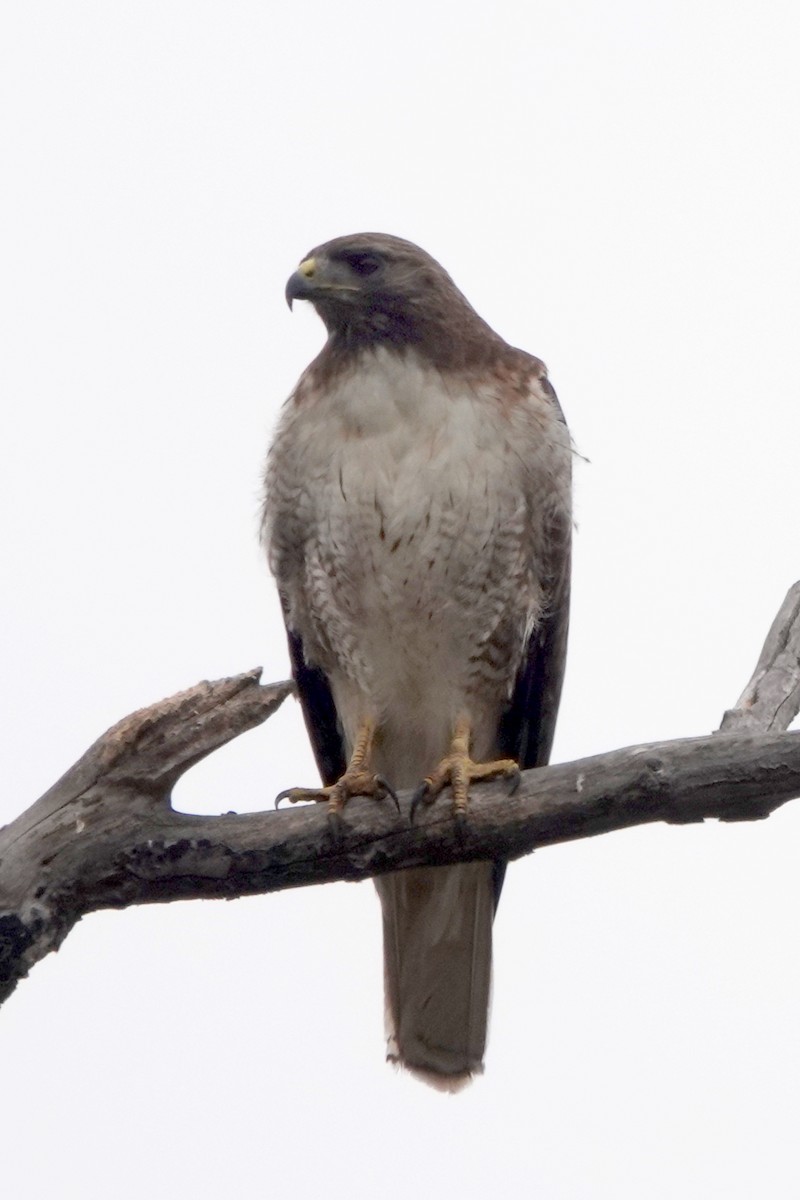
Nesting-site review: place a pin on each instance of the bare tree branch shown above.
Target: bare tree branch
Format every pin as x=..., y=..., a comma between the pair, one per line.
x=771, y=699
x=105, y=835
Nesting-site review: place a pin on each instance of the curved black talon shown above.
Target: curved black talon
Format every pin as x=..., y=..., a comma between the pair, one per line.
x=387, y=790
x=283, y=796
x=513, y=782
x=336, y=825
x=421, y=795
x=460, y=821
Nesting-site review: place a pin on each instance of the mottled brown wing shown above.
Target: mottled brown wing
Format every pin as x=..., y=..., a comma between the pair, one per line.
x=528, y=725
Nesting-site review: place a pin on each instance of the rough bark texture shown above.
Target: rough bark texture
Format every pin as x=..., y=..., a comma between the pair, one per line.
x=105, y=835
x=771, y=699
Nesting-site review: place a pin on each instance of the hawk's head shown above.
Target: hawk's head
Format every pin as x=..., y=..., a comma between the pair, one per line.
x=372, y=288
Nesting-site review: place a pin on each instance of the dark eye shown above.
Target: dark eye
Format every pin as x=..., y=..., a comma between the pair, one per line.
x=363, y=264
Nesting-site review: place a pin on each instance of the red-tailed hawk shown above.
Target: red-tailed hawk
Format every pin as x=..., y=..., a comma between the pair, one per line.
x=417, y=520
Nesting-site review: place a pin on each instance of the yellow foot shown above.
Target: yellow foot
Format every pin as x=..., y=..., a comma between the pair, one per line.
x=458, y=770
x=356, y=781
x=352, y=783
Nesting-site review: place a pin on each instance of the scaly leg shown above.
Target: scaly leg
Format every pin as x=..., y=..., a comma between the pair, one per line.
x=357, y=780
x=458, y=769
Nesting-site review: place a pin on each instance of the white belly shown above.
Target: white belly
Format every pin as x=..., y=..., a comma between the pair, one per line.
x=415, y=589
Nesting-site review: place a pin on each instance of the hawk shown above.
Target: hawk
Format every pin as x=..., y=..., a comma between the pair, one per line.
x=417, y=521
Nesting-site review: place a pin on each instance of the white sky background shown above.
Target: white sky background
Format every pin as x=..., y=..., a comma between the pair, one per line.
x=614, y=186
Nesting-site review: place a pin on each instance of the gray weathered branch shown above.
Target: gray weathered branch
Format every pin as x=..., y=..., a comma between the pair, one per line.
x=771, y=699
x=105, y=835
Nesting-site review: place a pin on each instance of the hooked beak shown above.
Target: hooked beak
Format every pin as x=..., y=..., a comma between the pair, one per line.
x=301, y=283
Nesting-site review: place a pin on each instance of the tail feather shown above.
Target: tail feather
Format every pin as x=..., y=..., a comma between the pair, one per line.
x=437, y=933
